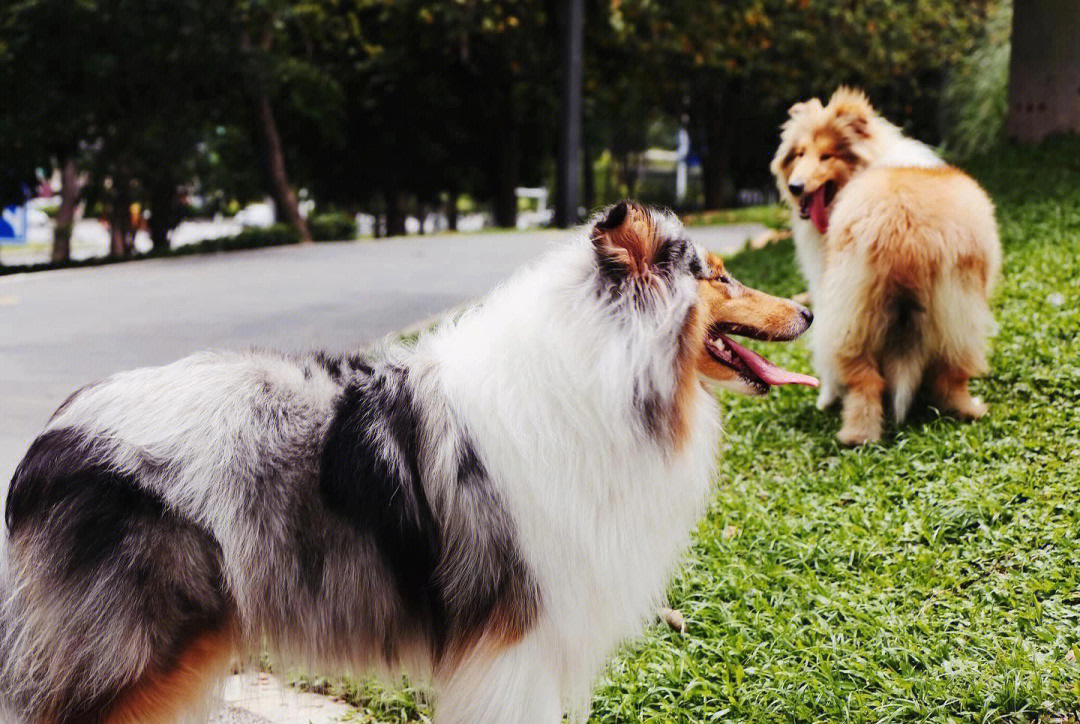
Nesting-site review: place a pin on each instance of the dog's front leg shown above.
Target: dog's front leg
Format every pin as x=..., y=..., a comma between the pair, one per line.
x=825, y=366
x=516, y=684
x=862, y=402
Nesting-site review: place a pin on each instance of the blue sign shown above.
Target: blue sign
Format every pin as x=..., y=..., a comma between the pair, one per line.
x=13, y=225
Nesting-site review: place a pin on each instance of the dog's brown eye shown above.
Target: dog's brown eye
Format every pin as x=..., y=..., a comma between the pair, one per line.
x=826, y=156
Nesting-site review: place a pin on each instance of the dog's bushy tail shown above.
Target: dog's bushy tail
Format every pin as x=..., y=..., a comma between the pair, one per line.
x=905, y=356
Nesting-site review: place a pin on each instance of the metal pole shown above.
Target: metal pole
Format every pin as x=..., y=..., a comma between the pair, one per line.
x=566, y=199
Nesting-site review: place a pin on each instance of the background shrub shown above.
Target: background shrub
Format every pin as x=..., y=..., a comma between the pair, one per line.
x=976, y=93
x=334, y=226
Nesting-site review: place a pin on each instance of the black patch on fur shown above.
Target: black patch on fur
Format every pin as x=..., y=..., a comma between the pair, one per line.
x=59, y=464
x=651, y=407
x=612, y=271
x=310, y=555
x=616, y=215
x=357, y=363
x=330, y=363
x=107, y=507
x=470, y=469
x=369, y=475
x=677, y=256
x=483, y=580
x=695, y=267
x=458, y=571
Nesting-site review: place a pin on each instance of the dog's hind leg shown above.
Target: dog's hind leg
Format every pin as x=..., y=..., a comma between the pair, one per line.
x=113, y=594
x=964, y=321
x=862, y=402
x=950, y=386
x=178, y=691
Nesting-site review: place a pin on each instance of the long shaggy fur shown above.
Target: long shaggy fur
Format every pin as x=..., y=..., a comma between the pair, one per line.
x=496, y=508
x=901, y=275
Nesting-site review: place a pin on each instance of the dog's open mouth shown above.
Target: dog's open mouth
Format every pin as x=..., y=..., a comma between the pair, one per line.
x=758, y=372
x=814, y=205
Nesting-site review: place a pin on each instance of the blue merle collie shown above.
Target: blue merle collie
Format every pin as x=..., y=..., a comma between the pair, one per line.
x=495, y=508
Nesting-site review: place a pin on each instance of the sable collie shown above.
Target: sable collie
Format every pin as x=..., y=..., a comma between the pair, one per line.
x=495, y=508
x=900, y=252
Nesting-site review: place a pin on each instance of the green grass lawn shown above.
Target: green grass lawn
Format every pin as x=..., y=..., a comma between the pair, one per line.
x=932, y=577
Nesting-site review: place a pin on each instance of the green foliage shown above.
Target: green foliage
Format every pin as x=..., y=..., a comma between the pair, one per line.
x=375, y=701
x=774, y=216
x=731, y=69
x=976, y=94
x=275, y=235
x=390, y=105
x=334, y=226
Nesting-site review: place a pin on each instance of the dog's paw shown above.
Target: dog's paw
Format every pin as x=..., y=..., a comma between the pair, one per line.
x=971, y=409
x=827, y=397
x=852, y=435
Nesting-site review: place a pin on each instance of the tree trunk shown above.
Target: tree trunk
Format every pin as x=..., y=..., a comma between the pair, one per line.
x=568, y=181
x=506, y=180
x=1044, y=70
x=164, y=214
x=120, y=236
x=712, y=160
x=451, y=211
x=396, y=210
x=65, y=217
x=273, y=163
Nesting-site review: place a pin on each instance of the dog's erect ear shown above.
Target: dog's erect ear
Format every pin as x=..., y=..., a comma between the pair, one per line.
x=626, y=240
x=852, y=110
x=802, y=107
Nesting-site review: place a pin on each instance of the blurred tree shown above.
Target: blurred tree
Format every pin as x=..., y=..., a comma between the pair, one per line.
x=134, y=83
x=733, y=66
x=173, y=68
x=266, y=63
x=402, y=105
x=53, y=103
x=436, y=99
x=975, y=97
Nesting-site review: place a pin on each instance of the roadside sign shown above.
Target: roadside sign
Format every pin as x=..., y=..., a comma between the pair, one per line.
x=13, y=225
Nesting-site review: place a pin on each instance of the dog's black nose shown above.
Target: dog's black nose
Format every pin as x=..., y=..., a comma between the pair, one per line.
x=795, y=189
x=807, y=315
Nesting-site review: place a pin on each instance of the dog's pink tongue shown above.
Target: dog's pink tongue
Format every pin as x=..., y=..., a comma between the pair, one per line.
x=818, y=214
x=766, y=370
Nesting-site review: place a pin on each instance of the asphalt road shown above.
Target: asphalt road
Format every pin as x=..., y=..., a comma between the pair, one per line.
x=62, y=329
